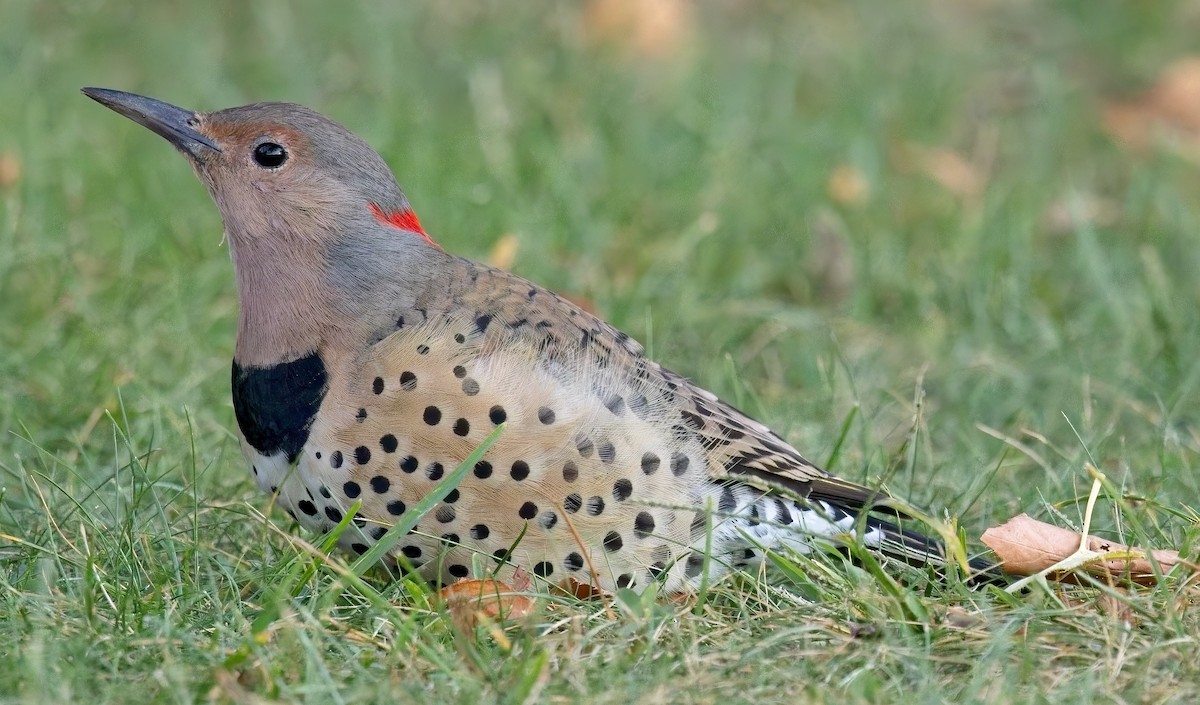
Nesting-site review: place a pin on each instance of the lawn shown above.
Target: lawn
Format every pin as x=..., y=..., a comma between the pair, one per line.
x=951, y=246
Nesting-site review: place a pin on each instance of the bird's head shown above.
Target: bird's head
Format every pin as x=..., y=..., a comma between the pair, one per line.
x=319, y=231
x=276, y=170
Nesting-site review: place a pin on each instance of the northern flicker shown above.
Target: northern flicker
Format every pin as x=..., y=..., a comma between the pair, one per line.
x=369, y=363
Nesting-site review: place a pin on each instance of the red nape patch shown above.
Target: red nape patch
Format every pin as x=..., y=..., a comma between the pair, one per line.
x=405, y=220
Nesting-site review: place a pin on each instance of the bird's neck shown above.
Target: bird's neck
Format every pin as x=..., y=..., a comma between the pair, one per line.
x=285, y=308
x=301, y=295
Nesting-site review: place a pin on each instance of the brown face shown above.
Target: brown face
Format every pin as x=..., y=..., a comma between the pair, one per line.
x=260, y=148
x=255, y=152
x=280, y=173
x=265, y=178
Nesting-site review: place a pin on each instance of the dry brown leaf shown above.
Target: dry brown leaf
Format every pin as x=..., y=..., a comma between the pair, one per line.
x=1170, y=109
x=652, y=28
x=581, y=591
x=1027, y=546
x=848, y=186
x=951, y=171
x=504, y=252
x=10, y=169
x=471, y=601
x=947, y=168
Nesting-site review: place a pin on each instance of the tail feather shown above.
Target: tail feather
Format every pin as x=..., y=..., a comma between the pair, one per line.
x=920, y=550
x=753, y=519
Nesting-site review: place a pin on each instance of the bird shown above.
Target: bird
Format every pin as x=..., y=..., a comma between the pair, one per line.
x=369, y=363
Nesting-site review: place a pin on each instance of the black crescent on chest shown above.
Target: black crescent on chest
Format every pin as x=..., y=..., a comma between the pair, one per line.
x=275, y=406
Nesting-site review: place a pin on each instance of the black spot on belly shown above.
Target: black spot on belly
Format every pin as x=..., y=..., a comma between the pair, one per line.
x=275, y=405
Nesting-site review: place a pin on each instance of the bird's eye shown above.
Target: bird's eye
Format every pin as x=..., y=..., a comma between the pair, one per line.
x=270, y=155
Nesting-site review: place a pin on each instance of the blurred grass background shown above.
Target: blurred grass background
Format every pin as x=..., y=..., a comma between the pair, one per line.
x=965, y=230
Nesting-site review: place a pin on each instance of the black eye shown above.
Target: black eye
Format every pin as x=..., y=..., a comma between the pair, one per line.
x=270, y=155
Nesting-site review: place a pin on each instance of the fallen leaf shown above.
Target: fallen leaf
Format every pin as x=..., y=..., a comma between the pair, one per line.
x=522, y=582
x=951, y=171
x=471, y=601
x=504, y=252
x=651, y=28
x=1176, y=96
x=1027, y=546
x=10, y=169
x=847, y=186
x=1167, y=114
x=580, y=590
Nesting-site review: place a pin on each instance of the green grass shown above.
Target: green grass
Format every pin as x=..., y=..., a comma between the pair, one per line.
x=686, y=196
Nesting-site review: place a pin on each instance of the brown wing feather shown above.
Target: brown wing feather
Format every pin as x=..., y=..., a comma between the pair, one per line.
x=739, y=448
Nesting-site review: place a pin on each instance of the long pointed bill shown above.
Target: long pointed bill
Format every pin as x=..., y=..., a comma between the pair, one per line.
x=175, y=124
